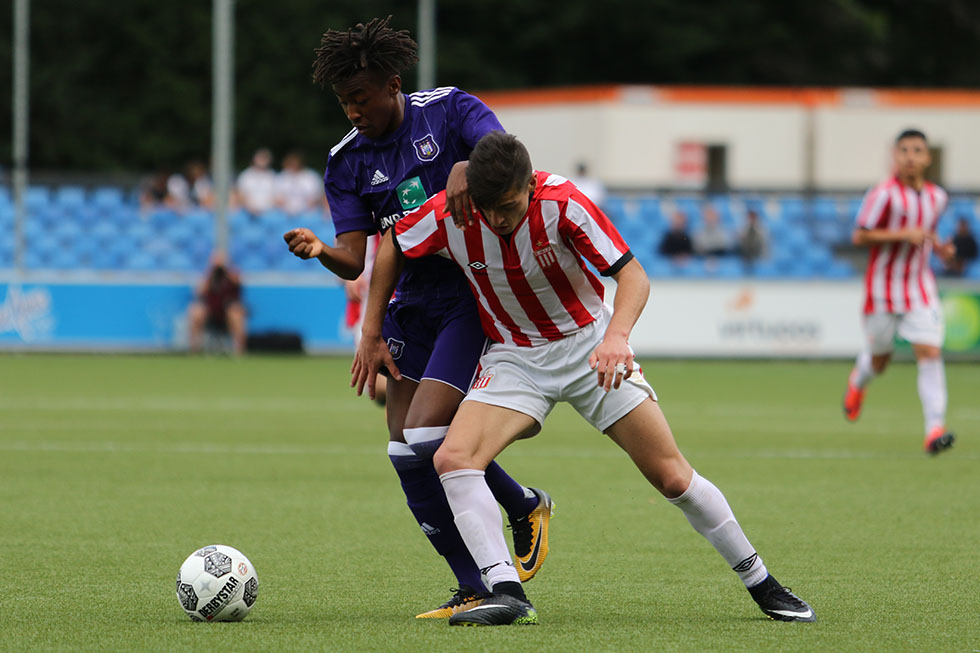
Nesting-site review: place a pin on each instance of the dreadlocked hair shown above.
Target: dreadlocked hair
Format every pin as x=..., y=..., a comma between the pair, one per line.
x=374, y=47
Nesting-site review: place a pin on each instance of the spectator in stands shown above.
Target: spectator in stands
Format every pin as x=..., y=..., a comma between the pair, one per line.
x=298, y=188
x=966, y=248
x=753, y=240
x=676, y=244
x=192, y=188
x=593, y=187
x=153, y=191
x=712, y=239
x=255, y=187
x=217, y=307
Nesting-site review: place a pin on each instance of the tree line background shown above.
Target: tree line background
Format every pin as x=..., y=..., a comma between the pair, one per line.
x=126, y=86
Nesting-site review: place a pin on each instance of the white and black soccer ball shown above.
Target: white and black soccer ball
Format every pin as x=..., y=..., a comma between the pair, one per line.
x=217, y=583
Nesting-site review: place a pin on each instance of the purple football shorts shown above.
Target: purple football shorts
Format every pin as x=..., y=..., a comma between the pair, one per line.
x=439, y=339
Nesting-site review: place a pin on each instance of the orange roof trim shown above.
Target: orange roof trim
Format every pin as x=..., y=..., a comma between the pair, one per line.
x=809, y=96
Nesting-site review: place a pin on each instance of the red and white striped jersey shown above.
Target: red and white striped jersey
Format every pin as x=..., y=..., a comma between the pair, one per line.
x=898, y=278
x=533, y=286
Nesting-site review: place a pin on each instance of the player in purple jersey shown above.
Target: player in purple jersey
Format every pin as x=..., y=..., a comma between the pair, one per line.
x=404, y=148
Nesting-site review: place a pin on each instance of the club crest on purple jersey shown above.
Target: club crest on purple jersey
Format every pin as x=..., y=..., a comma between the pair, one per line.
x=426, y=148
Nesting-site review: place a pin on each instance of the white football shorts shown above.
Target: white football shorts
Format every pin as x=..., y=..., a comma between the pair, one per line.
x=531, y=380
x=923, y=326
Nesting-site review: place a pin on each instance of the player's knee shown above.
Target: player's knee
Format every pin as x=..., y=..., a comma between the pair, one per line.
x=672, y=477
x=448, y=458
x=674, y=485
x=880, y=362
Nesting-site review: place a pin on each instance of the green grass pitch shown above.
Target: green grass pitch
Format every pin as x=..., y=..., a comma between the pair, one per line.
x=114, y=468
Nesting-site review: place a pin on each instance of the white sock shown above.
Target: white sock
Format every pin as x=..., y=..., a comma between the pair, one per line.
x=706, y=508
x=862, y=373
x=480, y=524
x=932, y=392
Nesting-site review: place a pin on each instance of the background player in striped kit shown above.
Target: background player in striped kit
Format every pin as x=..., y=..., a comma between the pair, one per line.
x=897, y=222
x=402, y=149
x=554, y=339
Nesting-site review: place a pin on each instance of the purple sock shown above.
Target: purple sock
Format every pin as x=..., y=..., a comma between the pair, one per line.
x=427, y=501
x=424, y=441
x=508, y=492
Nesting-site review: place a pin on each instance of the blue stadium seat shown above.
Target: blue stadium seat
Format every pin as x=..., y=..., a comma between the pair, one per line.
x=107, y=197
x=175, y=260
x=829, y=232
x=965, y=207
x=973, y=270
x=616, y=209
x=791, y=209
x=87, y=215
x=67, y=233
x=825, y=208
x=141, y=261
x=763, y=269
x=139, y=233
x=106, y=258
x=650, y=209
x=657, y=267
x=251, y=262
x=691, y=268
x=839, y=270
x=36, y=197
x=70, y=197
x=65, y=259
x=728, y=267
x=104, y=233
x=5, y=199
x=161, y=219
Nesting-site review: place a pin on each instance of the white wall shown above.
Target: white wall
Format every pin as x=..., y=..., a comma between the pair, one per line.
x=631, y=142
x=854, y=146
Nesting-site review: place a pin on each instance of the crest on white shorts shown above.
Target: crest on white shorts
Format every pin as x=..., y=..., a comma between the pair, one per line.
x=482, y=382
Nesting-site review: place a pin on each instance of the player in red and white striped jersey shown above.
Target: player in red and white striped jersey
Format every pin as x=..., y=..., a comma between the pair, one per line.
x=554, y=339
x=548, y=292
x=897, y=222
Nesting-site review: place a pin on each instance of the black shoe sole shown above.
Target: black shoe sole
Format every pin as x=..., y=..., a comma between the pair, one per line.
x=942, y=443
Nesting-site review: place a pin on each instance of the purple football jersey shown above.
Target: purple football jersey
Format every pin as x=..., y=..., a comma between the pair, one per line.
x=370, y=184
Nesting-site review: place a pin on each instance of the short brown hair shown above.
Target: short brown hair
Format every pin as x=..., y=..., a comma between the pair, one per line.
x=498, y=164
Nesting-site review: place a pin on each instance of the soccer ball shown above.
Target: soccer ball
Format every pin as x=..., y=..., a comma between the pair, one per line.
x=217, y=583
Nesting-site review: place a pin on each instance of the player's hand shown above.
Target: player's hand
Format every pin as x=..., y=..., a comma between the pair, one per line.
x=303, y=243
x=916, y=236
x=458, y=201
x=613, y=360
x=946, y=251
x=372, y=354
x=354, y=290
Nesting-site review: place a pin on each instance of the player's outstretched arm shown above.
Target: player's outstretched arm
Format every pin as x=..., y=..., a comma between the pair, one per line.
x=372, y=353
x=613, y=358
x=345, y=259
x=869, y=237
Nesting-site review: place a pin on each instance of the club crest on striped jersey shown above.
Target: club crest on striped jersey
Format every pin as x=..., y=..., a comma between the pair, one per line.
x=426, y=148
x=544, y=254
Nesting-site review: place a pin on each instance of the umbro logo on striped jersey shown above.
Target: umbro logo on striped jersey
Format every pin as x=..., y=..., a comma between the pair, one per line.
x=478, y=267
x=379, y=178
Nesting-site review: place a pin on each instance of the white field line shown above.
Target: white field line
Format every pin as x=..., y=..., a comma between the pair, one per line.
x=163, y=404
x=379, y=450
x=284, y=404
